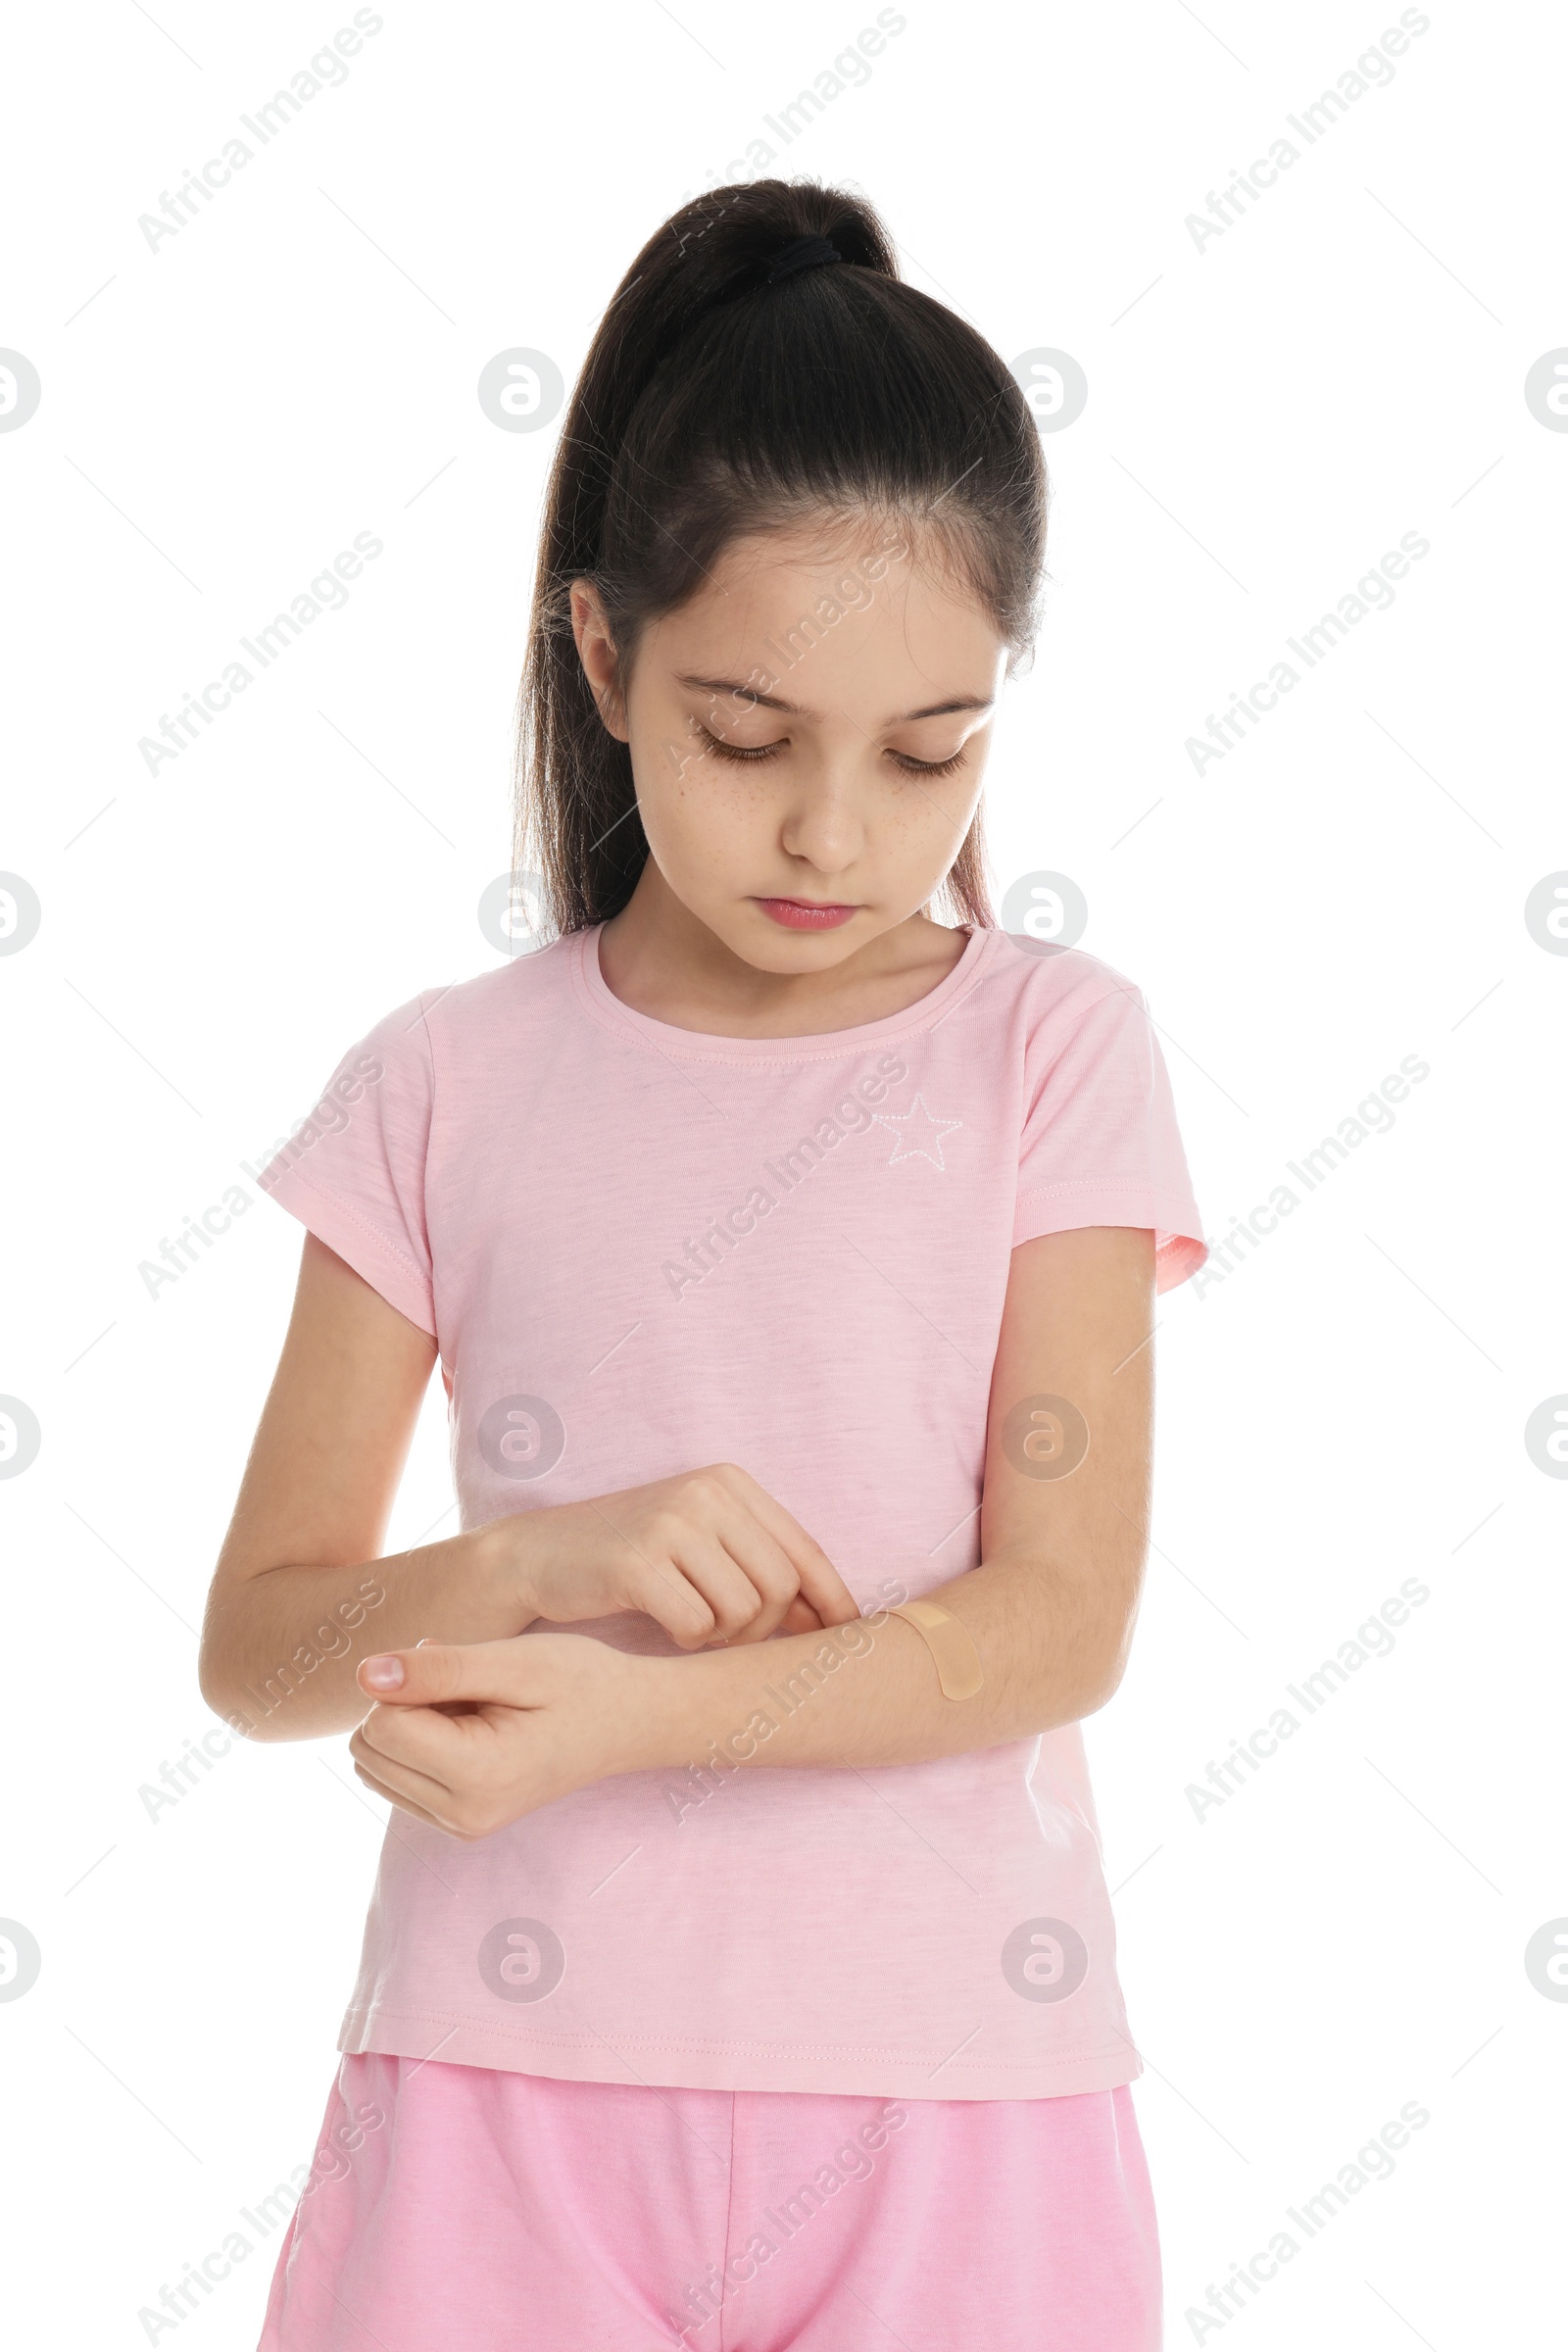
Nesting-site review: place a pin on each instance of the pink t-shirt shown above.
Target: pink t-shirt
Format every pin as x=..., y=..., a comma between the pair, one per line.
x=641, y=1250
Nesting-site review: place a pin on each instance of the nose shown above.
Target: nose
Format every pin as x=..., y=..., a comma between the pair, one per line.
x=823, y=824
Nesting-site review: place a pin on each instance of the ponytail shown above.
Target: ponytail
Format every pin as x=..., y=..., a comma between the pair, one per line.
x=715, y=404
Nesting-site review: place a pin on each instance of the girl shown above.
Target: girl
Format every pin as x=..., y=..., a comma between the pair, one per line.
x=740, y=1973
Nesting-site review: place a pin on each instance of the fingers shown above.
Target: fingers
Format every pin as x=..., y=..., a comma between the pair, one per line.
x=721, y=1561
x=466, y=1775
x=710, y=1555
x=393, y=1796
x=653, y=1584
x=396, y=1779
x=453, y=1769
x=742, y=1593
x=399, y=1804
x=769, y=1577
x=666, y=1593
x=439, y=1671
x=415, y=1745
x=688, y=1578
x=818, y=1580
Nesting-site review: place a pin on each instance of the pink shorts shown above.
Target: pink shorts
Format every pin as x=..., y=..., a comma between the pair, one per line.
x=457, y=2205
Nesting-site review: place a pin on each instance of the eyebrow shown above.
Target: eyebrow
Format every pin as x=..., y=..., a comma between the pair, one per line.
x=773, y=702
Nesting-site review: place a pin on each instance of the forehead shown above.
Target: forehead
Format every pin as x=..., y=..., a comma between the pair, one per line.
x=834, y=605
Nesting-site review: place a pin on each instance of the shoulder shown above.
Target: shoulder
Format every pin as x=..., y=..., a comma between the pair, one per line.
x=1055, y=988
x=422, y=1063
x=460, y=1017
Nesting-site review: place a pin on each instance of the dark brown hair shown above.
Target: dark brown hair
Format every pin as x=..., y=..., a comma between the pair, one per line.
x=714, y=405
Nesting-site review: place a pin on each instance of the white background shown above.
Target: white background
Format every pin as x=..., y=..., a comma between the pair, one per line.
x=1266, y=416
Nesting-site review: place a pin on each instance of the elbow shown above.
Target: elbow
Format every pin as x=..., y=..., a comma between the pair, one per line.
x=221, y=1696
x=1096, y=1680
x=1080, y=1638
x=275, y=1708
x=220, y=1688
x=211, y=1681
x=1098, y=1691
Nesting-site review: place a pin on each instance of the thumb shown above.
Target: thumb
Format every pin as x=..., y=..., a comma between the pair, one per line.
x=438, y=1671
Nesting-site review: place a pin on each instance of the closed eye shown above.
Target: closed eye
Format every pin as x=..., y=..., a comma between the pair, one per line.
x=747, y=753
x=928, y=767
x=736, y=751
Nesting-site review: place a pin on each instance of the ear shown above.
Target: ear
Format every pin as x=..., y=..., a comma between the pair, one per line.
x=595, y=649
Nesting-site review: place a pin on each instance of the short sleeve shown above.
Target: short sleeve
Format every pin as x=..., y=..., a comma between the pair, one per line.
x=1100, y=1144
x=353, y=1170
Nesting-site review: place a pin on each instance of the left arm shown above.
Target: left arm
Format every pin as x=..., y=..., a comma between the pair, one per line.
x=1049, y=1608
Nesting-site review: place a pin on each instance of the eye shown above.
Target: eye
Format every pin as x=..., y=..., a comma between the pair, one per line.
x=747, y=753
x=735, y=750
x=928, y=767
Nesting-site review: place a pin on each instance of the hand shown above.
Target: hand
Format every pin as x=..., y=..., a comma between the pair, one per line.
x=708, y=1556
x=471, y=1735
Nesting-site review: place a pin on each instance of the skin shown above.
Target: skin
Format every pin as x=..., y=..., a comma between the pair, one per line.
x=855, y=802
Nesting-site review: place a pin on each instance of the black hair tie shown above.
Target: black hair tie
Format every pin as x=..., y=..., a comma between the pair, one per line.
x=806, y=253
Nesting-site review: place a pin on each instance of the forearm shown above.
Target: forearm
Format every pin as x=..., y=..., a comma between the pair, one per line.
x=1051, y=1642
x=279, y=1651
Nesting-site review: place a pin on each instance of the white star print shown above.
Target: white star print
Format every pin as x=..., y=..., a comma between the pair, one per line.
x=916, y=1133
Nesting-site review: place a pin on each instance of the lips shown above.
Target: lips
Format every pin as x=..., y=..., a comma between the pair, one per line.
x=801, y=915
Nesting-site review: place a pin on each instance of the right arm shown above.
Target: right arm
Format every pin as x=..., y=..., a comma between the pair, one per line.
x=299, y=1595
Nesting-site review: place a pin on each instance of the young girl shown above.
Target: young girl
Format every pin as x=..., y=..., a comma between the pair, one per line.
x=740, y=1973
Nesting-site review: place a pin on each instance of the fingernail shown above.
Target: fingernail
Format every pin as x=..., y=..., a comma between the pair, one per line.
x=383, y=1672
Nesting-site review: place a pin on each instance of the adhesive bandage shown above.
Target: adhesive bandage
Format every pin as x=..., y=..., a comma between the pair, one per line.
x=952, y=1646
